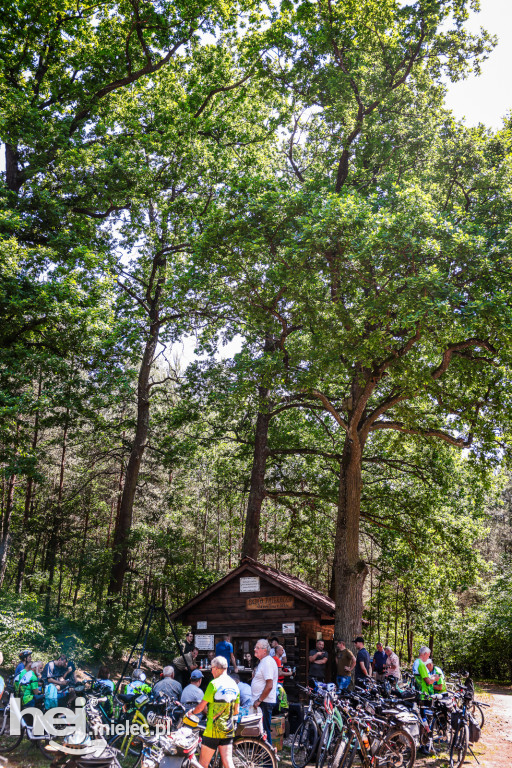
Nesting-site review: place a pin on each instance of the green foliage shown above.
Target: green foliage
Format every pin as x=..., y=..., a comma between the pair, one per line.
x=285, y=174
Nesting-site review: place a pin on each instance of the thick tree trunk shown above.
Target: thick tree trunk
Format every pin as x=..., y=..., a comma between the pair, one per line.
x=251, y=544
x=125, y=517
x=13, y=178
x=349, y=569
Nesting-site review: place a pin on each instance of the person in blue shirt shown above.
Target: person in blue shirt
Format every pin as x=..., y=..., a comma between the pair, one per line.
x=245, y=695
x=378, y=662
x=362, y=669
x=225, y=649
x=25, y=657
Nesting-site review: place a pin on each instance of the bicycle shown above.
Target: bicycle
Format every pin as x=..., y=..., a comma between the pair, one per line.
x=376, y=744
x=331, y=732
x=184, y=744
x=307, y=735
x=130, y=744
x=477, y=707
x=9, y=739
x=462, y=721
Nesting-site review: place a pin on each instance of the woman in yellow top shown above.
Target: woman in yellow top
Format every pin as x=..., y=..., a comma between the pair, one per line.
x=223, y=699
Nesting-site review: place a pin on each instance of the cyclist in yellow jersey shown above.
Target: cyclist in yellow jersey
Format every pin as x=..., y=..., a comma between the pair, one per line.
x=223, y=699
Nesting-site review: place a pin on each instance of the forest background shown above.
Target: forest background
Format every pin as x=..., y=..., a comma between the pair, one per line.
x=288, y=176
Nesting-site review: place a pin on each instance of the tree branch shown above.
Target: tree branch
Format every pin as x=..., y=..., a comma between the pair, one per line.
x=458, y=442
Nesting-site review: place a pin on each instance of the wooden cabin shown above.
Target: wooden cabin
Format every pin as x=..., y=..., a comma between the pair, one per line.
x=256, y=601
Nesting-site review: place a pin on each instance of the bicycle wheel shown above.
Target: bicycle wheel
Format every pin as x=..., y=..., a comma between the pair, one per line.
x=478, y=713
x=253, y=753
x=304, y=743
x=397, y=749
x=129, y=754
x=459, y=746
x=8, y=741
x=440, y=731
x=338, y=756
x=327, y=744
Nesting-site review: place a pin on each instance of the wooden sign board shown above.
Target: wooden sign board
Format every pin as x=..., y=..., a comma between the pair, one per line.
x=272, y=602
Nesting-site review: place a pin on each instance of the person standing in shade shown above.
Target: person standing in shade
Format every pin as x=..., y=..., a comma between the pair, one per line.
x=225, y=649
x=188, y=645
x=264, y=685
x=378, y=662
x=362, y=661
x=185, y=664
x=392, y=668
x=318, y=659
x=345, y=663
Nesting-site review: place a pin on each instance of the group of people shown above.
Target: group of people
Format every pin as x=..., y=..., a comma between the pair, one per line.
x=34, y=680
x=226, y=695
x=384, y=663
x=429, y=678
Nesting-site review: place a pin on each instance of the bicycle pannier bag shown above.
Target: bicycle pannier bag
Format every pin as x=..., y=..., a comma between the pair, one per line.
x=474, y=731
x=250, y=725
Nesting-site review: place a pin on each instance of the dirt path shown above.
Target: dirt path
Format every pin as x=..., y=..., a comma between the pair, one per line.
x=496, y=741
x=494, y=750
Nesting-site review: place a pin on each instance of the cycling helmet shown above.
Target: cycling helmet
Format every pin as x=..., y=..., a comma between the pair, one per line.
x=23, y=656
x=138, y=674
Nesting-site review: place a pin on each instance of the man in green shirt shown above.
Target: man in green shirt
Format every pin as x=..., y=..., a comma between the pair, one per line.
x=223, y=699
x=423, y=680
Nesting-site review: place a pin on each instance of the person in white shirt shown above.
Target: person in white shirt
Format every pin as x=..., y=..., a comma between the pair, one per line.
x=392, y=666
x=264, y=685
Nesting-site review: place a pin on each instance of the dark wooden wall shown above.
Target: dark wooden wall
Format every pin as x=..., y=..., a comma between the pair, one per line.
x=225, y=611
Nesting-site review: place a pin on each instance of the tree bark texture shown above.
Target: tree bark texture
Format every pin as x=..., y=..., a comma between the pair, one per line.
x=125, y=517
x=251, y=543
x=53, y=544
x=349, y=570
x=5, y=539
x=13, y=178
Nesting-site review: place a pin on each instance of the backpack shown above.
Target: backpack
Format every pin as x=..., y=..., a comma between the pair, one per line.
x=50, y=696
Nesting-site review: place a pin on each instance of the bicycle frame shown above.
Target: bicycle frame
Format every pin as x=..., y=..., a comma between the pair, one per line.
x=138, y=718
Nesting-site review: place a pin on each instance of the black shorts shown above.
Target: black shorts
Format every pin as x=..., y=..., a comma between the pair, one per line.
x=212, y=743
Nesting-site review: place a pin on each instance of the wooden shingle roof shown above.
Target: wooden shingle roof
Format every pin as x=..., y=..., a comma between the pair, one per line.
x=290, y=584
